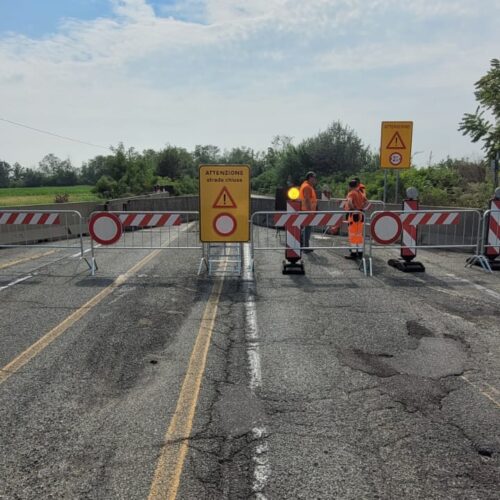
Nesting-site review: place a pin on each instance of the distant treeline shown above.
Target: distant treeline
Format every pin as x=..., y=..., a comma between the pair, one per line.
x=336, y=155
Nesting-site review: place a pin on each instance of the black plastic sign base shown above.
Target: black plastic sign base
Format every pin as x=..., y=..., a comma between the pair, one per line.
x=494, y=264
x=407, y=267
x=293, y=268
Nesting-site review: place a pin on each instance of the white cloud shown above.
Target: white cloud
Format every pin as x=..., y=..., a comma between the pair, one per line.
x=236, y=72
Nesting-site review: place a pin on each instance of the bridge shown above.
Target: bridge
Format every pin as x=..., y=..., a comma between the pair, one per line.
x=153, y=379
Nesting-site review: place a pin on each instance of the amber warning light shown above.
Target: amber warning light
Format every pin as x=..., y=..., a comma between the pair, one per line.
x=293, y=193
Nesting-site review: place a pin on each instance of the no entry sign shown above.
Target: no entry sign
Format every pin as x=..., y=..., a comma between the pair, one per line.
x=386, y=228
x=105, y=228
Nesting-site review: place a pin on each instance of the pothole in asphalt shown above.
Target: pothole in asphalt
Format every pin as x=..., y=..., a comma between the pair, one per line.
x=372, y=364
x=153, y=361
x=433, y=358
x=417, y=330
x=485, y=451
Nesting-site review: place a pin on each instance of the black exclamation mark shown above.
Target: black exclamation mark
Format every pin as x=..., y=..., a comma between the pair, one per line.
x=224, y=198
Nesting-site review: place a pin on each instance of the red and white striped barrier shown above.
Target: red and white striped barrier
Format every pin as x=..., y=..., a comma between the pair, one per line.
x=410, y=233
x=30, y=218
x=292, y=252
x=302, y=220
x=149, y=220
x=493, y=239
x=385, y=228
x=438, y=219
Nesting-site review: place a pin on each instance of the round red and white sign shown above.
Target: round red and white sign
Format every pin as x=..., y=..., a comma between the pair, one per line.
x=224, y=224
x=105, y=228
x=386, y=228
x=395, y=159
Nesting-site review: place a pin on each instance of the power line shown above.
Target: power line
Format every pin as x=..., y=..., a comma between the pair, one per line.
x=54, y=135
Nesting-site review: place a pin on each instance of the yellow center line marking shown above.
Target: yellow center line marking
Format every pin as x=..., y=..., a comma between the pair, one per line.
x=484, y=393
x=167, y=477
x=17, y=363
x=26, y=259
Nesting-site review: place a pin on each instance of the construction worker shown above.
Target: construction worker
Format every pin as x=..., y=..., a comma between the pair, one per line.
x=309, y=203
x=361, y=186
x=355, y=200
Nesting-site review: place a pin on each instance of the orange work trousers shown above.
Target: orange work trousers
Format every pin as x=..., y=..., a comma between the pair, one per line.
x=355, y=231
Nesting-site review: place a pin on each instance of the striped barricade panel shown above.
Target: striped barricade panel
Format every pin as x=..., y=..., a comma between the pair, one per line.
x=431, y=219
x=303, y=220
x=30, y=218
x=410, y=232
x=493, y=241
x=149, y=219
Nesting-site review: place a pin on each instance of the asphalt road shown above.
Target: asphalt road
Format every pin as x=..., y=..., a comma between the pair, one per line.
x=328, y=385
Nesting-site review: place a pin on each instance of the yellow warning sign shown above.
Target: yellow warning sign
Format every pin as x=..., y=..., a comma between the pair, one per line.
x=224, y=203
x=395, y=145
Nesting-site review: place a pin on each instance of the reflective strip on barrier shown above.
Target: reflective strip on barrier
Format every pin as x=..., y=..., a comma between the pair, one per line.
x=493, y=239
x=410, y=233
x=438, y=219
x=149, y=219
x=293, y=242
x=30, y=218
x=302, y=220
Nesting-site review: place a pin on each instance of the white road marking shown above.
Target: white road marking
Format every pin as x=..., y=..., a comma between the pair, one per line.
x=481, y=288
x=262, y=469
x=15, y=282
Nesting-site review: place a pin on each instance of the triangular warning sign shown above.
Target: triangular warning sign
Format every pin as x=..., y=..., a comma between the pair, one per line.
x=224, y=200
x=396, y=142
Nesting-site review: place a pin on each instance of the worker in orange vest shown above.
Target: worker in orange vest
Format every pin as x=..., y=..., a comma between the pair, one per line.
x=361, y=186
x=309, y=203
x=355, y=200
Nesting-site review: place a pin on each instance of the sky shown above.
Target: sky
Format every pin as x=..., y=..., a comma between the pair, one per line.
x=237, y=72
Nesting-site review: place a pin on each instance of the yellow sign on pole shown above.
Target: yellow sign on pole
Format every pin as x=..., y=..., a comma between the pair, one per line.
x=395, y=145
x=224, y=203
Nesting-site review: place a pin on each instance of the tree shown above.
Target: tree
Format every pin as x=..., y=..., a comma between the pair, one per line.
x=175, y=162
x=475, y=124
x=57, y=172
x=5, y=170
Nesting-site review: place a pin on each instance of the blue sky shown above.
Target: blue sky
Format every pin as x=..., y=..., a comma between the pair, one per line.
x=238, y=72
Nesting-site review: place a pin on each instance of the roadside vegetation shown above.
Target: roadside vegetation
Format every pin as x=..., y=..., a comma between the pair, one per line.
x=336, y=154
x=10, y=197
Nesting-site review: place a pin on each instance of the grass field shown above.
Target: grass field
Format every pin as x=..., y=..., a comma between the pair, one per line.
x=11, y=197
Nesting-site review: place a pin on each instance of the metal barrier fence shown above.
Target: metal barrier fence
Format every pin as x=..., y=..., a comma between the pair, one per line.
x=489, y=246
x=424, y=230
x=152, y=231
x=60, y=229
x=268, y=230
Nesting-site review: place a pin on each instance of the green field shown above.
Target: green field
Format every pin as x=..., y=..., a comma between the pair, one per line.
x=11, y=197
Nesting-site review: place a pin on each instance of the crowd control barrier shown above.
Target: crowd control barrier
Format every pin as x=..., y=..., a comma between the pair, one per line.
x=280, y=231
x=489, y=249
x=58, y=229
x=437, y=229
x=129, y=231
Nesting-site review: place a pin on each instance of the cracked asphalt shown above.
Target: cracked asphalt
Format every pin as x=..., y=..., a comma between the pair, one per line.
x=378, y=388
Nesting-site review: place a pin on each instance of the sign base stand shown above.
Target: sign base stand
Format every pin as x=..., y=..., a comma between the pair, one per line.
x=407, y=266
x=292, y=267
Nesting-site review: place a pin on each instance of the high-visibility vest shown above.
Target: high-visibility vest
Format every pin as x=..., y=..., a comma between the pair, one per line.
x=314, y=199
